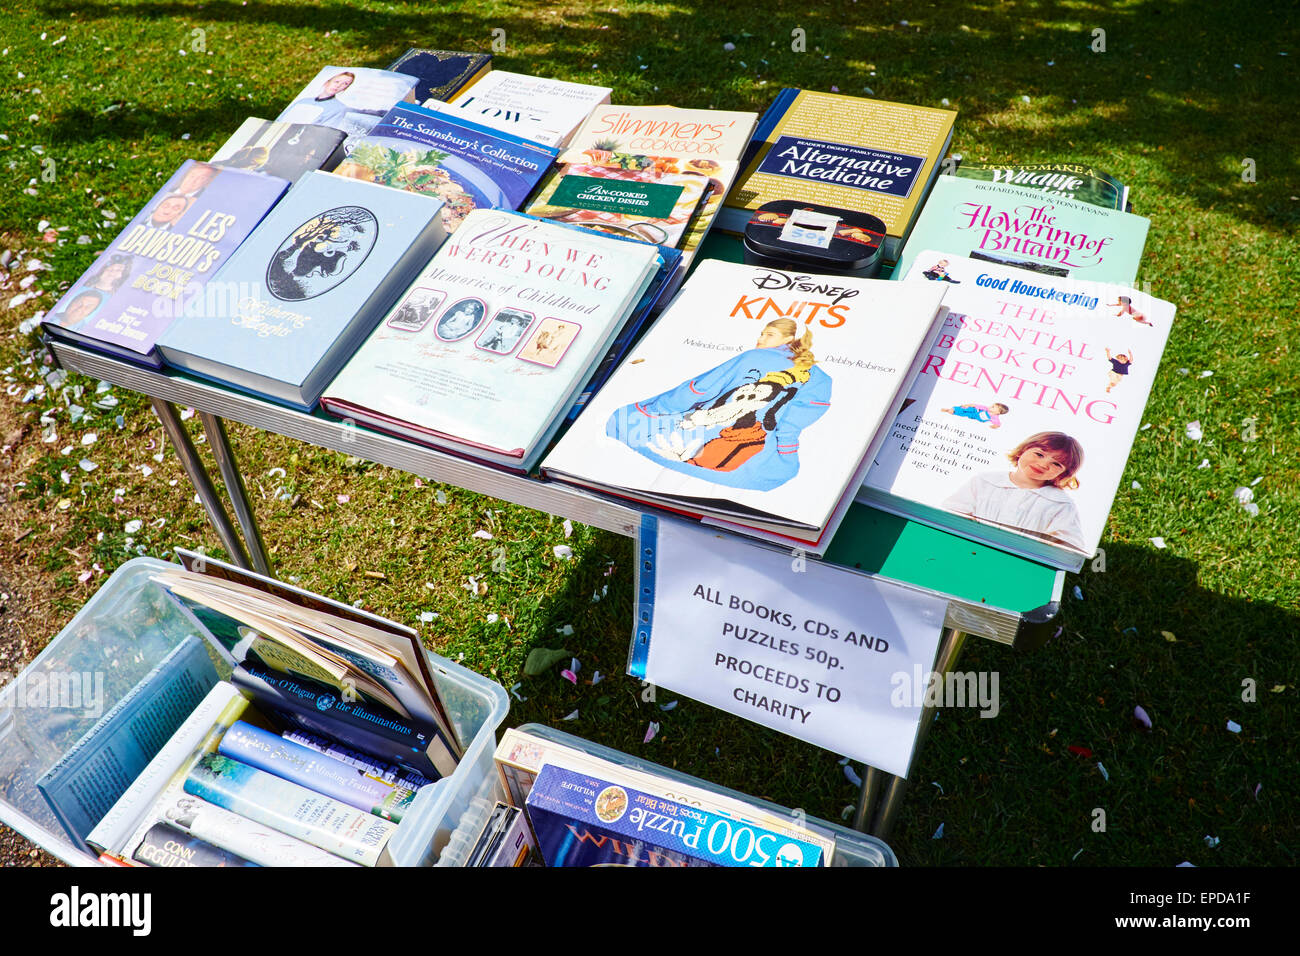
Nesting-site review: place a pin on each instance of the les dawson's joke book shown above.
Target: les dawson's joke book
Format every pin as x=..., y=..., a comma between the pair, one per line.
x=1022, y=416
x=756, y=399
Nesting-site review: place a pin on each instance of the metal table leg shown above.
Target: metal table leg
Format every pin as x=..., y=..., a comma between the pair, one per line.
x=950, y=647
x=202, y=483
x=215, y=429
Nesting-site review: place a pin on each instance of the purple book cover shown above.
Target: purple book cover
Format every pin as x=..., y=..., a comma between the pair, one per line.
x=165, y=256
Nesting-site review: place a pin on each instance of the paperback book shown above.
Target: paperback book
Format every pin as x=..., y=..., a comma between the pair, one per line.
x=1020, y=422
x=466, y=165
x=535, y=107
x=285, y=150
x=440, y=74
x=845, y=152
x=302, y=292
x=643, y=143
x=1006, y=225
x=491, y=344
x=162, y=260
x=350, y=99
x=83, y=786
x=755, y=400
x=1077, y=181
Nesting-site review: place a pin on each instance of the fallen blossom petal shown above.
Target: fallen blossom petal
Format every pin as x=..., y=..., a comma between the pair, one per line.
x=568, y=528
x=1169, y=636
x=651, y=732
x=567, y=630
x=427, y=617
x=87, y=465
x=1205, y=463
x=1206, y=374
x=1158, y=542
x=276, y=472
x=1102, y=768
x=484, y=535
x=1079, y=751
x=563, y=552
x=1258, y=788
x=1078, y=593
x=1234, y=727
x=572, y=716
x=515, y=690
x=571, y=677
x=145, y=471
x=1251, y=508
x=936, y=783
x=492, y=618
x=938, y=834
x=672, y=704
x=342, y=499
x=1257, y=481
x=852, y=776
x=1142, y=717
x=1131, y=630
x=728, y=46
x=89, y=438
x=1243, y=494
x=1194, y=431
x=440, y=496
x=131, y=527
x=1211, y=841
x=1136, y=486
x=84, y=576
x=575, y=665
x=187, y=414
x=1185, y=863
x=596, y=677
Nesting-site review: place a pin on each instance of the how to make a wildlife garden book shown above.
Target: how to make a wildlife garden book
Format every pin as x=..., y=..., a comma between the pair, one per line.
x=493, y=341
x=1020, y=422
x=756, y=399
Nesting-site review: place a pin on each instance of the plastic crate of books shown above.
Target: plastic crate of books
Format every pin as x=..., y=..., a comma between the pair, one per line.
x=114, y=642
x=852, y=848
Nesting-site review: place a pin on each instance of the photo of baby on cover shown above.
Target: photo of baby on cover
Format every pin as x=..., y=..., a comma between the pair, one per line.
x=1034, y=495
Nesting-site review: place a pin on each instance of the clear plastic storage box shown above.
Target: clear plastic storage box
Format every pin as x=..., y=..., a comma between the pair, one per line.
x=117, y=638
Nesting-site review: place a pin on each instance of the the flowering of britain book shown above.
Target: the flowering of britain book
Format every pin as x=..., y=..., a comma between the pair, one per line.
x=1010, y=225
x=755, y=400
x=493, y=341
x=1021, y=419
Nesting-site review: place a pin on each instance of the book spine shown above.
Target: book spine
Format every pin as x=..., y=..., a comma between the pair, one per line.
x=165, y=845
x=125, y=815
x=390, y=773
x=313, y=707
x=254, y=841
x=289, y=808
x=305, y=767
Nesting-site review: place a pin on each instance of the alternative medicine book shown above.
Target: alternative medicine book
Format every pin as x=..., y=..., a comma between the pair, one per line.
x=1009, y=225
x=492, y=343
x=162, y=260
x=1020, y=423
x=535, y=107
x=466, y=165
x=286, y=150
x=642, y=143
x=302, y=292
x=440, y=74
x=755, y=400
x=1077, y=181
x=351, y=99
x=845, y=152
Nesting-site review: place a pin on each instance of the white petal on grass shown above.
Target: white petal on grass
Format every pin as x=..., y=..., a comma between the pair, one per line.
x=651, y=732
x=427, y=617
x=89, y=438
x=852, y=775
x=568, y=528
x=1243, y=495
x=87, y=465
x=486, y=536
x=1194, y=431
x=131, y=527
x=571, y=716
x=563, y=552
x=1158, y=542
x=1205, y=463
x=1234, y=727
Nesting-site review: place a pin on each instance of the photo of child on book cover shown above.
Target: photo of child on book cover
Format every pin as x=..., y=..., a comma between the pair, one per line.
x=1034, y=496
x=739, y=423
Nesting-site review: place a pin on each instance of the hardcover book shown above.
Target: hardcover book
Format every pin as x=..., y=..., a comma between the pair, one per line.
x=256, y=842
x=1010, y=225
x=755, y=400
x=166, y=846
x=492, y=343
x=303, y=291
x=584, y=820
x=466, y=165
x=351, y=99
x=1019, y=425
x=83, y=786
x=535, y=107
x=845, y=152
x=439, y=74
x=1077, y=181
x=286, y=150
x=643, y=140
x=162, y=260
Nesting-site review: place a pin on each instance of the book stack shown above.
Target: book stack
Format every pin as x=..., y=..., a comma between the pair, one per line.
x=312, y=754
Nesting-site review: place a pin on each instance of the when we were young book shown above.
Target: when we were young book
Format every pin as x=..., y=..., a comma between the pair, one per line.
x=1019, y=425
x=755, y=400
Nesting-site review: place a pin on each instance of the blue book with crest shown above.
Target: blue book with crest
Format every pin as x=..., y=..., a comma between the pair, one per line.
x=305, y=289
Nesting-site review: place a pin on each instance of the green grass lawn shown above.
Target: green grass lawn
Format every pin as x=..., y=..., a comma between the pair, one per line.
x=100, y=101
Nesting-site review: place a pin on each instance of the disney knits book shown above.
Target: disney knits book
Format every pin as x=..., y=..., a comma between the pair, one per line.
x=1019, y=425
x=755, y=400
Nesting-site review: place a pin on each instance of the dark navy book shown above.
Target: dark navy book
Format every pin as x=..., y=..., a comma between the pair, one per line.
x=466, y=165
x=440, y=74
x=304, y=290
x=165, y=256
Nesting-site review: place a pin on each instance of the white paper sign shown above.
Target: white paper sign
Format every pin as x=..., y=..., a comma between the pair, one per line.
x=806, y=648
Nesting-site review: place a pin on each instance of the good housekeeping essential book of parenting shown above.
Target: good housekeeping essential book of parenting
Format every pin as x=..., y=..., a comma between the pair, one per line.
x=1019, y=425
x=755, y=399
